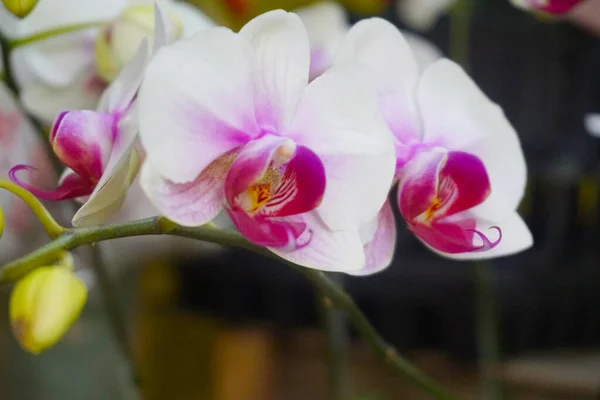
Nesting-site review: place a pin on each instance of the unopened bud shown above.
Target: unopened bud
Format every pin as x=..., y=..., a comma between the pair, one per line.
x=83, y=141
x=43, y=306
x=117, y=43
x=19, y=8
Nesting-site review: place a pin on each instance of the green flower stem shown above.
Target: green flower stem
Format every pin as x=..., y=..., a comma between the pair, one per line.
x=72, y=238
x=335, y=323
x=13, y=44
x=114, y=313
x=488, y=342
x=52, y=228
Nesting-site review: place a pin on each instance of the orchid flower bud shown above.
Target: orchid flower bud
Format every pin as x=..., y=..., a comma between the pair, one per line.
x=19, y=8
x=83, y=141
x=44, y=304
x=120, y=40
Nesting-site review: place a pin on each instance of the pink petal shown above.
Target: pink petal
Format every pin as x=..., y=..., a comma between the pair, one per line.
x=463, y=182
x=271, y=232
x=301, y=174
x=71, y=186
x=419, y=182
x=83, y=141
x=379, y=249
x=516, y=238
x=448, y=238
x=252, y=162
x=449, y=182
x=302, y=186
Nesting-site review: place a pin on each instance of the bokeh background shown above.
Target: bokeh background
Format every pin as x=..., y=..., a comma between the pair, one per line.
x=223, y=324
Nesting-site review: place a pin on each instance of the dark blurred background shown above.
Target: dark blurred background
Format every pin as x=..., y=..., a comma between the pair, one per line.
x=228, y=324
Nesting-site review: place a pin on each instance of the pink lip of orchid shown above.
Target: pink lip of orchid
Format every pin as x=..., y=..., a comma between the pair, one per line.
x=229, y=121
x=460, y=168
x=98, y=146
x=556, y=7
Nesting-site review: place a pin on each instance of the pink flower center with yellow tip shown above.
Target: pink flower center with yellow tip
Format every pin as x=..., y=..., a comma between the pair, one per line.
x=436, y=193
x=271, y=181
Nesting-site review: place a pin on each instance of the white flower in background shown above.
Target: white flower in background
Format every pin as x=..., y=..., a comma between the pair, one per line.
x=98, y=147
x=592, y=124
x=422, y=14
x=18, y=144
x=327, y=25
x=460, y=168
x=71, y=71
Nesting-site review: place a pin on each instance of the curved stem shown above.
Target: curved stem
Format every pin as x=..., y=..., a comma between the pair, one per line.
x=72, y=238
x=113, y=311
x=337, y=335
x=61, y=30
x=52, y=228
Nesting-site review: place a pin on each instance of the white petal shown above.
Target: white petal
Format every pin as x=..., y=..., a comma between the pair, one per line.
x=340, y=251
x=49, y=14
x=422, y=14
x=196, y=102
x=189, y=204
x=339, y=120
x=327, y=24
x=379, y=248
x=592, y=124
x=58, y=61
x=516, y=238
x=107, y=198
x=191, y=17
x=457, y=115
x=45, y=102
x=121, y=92
x=281, y=64
x=380, y=45
x=425, y=52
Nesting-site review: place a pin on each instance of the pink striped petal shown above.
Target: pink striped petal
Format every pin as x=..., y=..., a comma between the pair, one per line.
x=302, y=186
x=441, y=184
x=269, y=232
x=418, y=186
x=253, y=161
x=292, y=177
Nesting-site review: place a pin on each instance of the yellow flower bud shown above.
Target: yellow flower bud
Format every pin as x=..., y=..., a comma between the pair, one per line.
x=117, y=43
x=20, y=8
x=44, y=304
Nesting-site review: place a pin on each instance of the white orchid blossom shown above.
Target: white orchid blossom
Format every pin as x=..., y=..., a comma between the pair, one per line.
x=63, y=72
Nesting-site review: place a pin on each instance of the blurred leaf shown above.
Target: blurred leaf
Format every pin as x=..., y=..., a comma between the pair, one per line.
x=370, y=397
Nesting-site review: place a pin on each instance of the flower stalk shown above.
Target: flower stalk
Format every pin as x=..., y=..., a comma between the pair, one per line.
x=335, y=324
x=52, y=228
x=73, y=238
x=61, y=30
